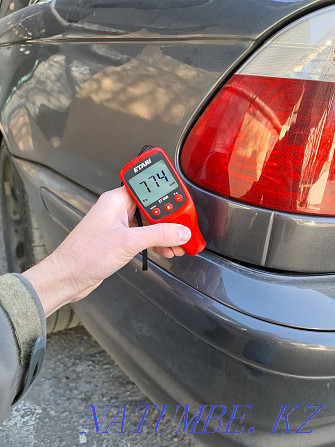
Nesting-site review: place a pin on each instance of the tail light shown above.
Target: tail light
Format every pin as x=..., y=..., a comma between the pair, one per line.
x=267, y=138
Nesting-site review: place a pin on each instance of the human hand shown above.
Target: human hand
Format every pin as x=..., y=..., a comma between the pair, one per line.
x=104, y=241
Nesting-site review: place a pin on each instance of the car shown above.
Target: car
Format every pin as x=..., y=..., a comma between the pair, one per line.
x=240, y=94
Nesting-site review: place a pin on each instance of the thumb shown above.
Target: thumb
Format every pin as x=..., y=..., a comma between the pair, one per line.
x=159, y=235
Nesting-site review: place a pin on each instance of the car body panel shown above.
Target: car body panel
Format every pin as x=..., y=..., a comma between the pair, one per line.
x=165, y=74
x=9, y=6
x=82, y=90
x=123, y=77
x=173, y=365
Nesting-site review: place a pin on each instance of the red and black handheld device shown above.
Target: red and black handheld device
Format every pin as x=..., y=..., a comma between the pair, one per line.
x=161, y=195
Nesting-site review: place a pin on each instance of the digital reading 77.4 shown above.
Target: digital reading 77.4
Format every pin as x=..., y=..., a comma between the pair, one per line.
x=153, y=183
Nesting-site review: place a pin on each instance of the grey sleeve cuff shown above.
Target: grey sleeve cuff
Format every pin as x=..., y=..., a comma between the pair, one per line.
x=23, y=336
x=10, y=369
x=24, y=310
x=36, y=299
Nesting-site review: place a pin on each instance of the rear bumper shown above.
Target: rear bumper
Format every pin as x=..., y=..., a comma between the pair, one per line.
x=249, y=339
x=183, y=347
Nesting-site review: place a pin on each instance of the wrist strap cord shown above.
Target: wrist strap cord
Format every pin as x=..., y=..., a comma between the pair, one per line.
x=139, y=217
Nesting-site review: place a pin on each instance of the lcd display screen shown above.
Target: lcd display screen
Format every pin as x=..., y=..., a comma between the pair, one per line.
x=153, y=183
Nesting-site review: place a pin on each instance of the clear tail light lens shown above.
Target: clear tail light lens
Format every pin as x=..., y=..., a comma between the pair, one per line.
x=267, y=138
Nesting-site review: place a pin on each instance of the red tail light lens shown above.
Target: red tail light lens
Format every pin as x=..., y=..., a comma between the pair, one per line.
x=269, y=141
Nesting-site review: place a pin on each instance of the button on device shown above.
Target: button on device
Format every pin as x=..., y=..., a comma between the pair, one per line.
x=169, y=207
x=178, y=197
x=156, y=211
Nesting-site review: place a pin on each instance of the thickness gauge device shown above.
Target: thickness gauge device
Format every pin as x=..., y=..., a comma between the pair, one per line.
x=161, y=194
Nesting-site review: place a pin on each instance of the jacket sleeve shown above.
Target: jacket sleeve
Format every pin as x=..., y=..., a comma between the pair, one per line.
x=22, y=339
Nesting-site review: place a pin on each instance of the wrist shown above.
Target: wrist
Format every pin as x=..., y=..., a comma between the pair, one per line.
x=53, y=283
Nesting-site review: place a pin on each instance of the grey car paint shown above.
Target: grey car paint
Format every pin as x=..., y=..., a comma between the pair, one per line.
x=83, y=87
x=69, y=62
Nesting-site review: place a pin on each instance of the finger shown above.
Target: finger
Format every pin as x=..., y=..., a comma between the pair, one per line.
x=167, y=252
x=178, y=251
x=129, y=202
x=117, y=199
x=158, y=235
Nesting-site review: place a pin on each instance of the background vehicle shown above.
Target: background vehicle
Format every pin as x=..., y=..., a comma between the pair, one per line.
x=251, y=320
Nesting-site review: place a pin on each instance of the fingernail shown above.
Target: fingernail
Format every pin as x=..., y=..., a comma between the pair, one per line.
x=184, y=234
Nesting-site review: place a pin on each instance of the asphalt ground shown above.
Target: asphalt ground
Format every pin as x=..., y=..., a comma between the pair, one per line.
x=78, y=373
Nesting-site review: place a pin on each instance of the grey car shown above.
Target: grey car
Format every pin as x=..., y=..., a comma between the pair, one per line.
x=240, y=94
